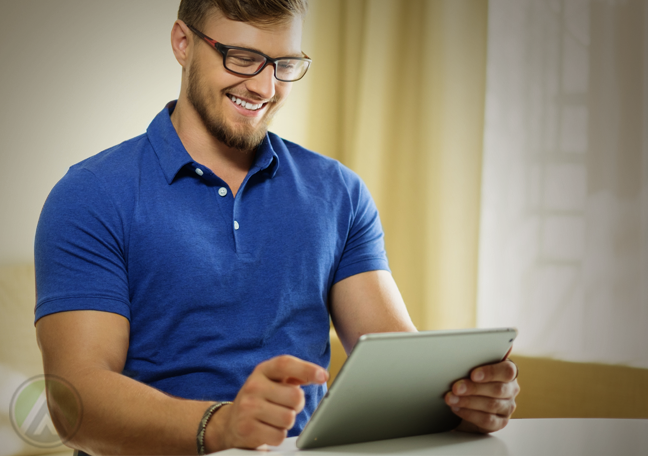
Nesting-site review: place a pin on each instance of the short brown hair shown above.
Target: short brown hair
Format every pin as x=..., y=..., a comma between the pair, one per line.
x=259, y=12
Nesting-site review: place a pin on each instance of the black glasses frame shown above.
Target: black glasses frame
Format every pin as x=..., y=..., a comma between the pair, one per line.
x=222, y=48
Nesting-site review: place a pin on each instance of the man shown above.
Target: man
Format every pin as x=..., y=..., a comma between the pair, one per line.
x=200, y=261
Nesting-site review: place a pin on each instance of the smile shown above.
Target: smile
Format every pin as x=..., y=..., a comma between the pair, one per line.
x=245, y=104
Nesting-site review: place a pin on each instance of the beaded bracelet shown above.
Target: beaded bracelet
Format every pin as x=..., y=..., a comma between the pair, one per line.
x=200, y=437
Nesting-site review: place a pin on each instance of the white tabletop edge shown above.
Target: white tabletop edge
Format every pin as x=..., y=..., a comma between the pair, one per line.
x=556, y=436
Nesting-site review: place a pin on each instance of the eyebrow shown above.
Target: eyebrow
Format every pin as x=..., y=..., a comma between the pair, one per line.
x=299, y=55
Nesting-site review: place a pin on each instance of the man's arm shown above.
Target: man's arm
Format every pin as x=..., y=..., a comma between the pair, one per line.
x=367, y=303
x=370, y=302
x=122, y=416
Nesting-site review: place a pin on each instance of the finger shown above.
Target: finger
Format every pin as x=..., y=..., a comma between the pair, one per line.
x=504, y=371
x=293, y=370
x=273, y=436
x=285, y=395
x=502, y=407
x=260, y=387
x=270, y=435
x=252, y=435
x=243, y=429
x=277, y=416
x=493, y=389
x=484, y=422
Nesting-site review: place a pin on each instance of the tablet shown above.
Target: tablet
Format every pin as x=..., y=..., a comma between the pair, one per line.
x=393, y=385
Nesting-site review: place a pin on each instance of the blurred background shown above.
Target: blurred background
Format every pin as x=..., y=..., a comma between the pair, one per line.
x=505, y=143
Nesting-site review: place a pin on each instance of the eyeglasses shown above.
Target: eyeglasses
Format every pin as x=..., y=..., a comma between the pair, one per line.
x=247, y=62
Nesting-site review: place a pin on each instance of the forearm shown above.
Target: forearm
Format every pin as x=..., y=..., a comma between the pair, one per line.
x=123, y=416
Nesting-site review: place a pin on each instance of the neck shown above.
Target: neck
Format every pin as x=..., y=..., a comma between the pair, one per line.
x=231, y=165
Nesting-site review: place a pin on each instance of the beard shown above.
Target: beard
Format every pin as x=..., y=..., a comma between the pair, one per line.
x=246, y=138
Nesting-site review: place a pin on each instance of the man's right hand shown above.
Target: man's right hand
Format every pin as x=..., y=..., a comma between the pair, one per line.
x=265, y=407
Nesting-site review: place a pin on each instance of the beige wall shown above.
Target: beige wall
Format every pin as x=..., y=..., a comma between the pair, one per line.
x=92, y=74
x=77, y=77
x=396, y=92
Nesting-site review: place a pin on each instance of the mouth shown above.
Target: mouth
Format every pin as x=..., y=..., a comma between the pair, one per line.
x=252, y=107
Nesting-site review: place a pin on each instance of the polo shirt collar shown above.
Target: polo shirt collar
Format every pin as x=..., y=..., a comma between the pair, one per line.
x=267, y=159
x=173, y=156
x=166, y=143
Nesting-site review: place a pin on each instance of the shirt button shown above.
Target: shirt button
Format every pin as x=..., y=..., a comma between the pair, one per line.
x=222, y=191
x=236, y=225
x=199, y=171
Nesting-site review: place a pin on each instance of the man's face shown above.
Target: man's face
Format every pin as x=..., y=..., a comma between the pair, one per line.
x=212, y=90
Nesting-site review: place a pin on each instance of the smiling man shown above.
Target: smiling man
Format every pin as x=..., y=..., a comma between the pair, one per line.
x=186, y=277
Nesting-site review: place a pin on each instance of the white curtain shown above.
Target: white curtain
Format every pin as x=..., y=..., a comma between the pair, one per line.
x=564, y=223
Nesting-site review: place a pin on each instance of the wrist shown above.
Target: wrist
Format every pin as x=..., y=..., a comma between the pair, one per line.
x=215, y=435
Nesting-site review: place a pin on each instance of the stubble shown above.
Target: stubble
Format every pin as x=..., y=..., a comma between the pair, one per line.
x=245, y=139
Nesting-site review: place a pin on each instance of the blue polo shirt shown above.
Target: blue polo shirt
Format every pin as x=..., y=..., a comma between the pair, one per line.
x=212, y=285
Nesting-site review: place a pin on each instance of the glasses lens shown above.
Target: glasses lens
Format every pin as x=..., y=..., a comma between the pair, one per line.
x=291, y=69
x=249, y=62
x=244, y=62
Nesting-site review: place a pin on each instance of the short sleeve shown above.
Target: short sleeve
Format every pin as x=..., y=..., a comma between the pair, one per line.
x=79, y=250
x=365, y=246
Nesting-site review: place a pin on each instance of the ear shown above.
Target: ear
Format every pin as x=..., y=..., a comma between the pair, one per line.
x=180, y=42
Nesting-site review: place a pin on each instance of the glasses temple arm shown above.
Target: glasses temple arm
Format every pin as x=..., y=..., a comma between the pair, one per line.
x=200, y=34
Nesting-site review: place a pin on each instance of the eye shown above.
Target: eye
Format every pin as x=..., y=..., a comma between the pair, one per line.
x=287, y=65
x=242, y=58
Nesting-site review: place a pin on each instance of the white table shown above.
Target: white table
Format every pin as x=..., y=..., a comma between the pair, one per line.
x=568, y=437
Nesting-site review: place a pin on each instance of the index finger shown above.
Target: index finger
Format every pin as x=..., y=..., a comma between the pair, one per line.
x=504, y=371
x=293, y=370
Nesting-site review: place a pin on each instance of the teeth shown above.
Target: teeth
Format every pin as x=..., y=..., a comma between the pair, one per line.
x=245, y=104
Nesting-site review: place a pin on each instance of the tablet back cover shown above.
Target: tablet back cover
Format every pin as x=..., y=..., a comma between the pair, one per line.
x=393, y=385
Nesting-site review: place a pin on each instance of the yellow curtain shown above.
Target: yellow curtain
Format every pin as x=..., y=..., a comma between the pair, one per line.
x=396, y=92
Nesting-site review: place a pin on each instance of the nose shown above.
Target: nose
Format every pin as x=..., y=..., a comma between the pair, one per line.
x=263, y=84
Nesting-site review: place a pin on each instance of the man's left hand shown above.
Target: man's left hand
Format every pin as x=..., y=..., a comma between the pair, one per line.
x=486, y=400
